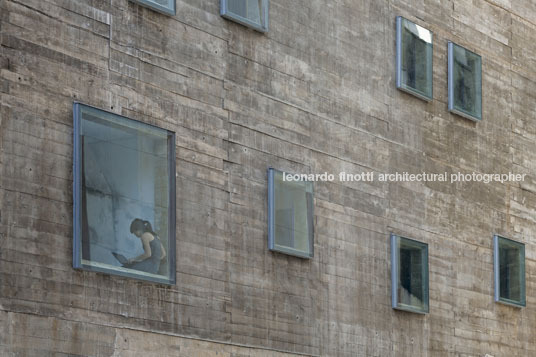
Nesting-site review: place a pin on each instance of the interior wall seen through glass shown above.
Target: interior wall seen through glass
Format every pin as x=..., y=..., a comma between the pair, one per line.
x=249, y=9
x=416, y=58
x=124, y=177
x=164, y=6
x=162, y=2
x=410, y=274
x=510, y=272
x=411, y=285
x=293, y=202
x=467, y=72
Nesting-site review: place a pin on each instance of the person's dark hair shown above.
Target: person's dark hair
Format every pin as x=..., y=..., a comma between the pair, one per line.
x=141, y=225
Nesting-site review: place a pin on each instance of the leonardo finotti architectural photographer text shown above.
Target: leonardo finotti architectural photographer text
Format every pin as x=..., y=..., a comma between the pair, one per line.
x=408, y=177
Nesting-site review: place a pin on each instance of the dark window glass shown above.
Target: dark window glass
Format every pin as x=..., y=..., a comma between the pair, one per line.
x=124, y=196
x=510, y=268
x=465, y=82
x=414, y=59
x=409, y=274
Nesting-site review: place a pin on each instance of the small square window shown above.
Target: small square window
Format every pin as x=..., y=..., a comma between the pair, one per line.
x=290, y=214
x=465, y=82
x=164, y=6
x=409, y=274
x=250, y=13
x=414, y=70
x=509, y=271
x=124, y=196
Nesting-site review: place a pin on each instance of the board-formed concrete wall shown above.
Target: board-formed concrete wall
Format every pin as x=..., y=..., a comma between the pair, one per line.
x=315, y=94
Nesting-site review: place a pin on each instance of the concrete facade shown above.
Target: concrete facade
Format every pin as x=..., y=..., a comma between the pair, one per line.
x=314, y=94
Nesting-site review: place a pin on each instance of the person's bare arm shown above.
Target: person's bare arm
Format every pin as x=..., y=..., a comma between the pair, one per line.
x=163, y=251
x=145, y=240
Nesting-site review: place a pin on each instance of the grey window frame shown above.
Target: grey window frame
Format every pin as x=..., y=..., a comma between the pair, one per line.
x=224, y=12
x=451, y=107
x=496, y=273
x=77, y=199
x=271, y=222
x=395, y=276
x=157, y=7
x=398, y=62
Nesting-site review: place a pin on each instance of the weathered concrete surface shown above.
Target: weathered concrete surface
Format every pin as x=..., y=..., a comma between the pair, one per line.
x=314, y=94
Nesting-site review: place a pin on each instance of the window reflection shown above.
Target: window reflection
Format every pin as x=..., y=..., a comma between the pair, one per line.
x=292, y=215
x=249, y=9
x=250, y=13
x=509, y=273
x=511, y=270
x=125, y=194
x=411, y=287
x=164, y=6
x=409, y=274
x=466, y=81
x=414, y=72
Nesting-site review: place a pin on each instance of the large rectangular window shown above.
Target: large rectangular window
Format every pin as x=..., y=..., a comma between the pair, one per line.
x=509, y=271
x=465, y=82
x=250, y=13
x=164, y=6
x=409, y=274
x=124, y=196
x=290, y=215
x=414, y=70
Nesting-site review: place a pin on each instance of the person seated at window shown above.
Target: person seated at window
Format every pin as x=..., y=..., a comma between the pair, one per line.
x=153, y=249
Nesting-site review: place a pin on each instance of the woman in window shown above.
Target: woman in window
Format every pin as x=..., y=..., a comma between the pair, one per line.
x=153, y=249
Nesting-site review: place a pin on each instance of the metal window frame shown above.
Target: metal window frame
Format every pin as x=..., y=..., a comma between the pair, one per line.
x=395, y=272
x=224, y=12
x=172, y=10
x=271, y=222
x=496, y=273
x=77, y=198
x=398, y=63
x=451, y=108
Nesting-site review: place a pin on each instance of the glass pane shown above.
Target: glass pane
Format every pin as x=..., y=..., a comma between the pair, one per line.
x=412, y=274
x=511, y=270
x=293, y=202
x=162, y=2
x=164, y=6
x=416, y=59
x=125, y=195
x=249, y=9
x=466, y=81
